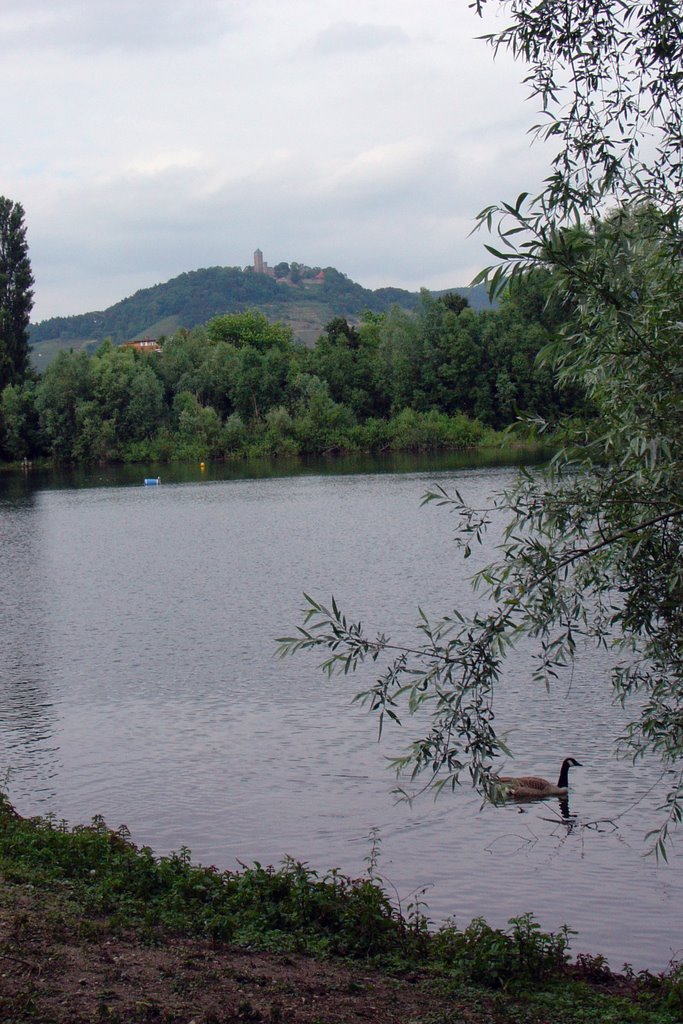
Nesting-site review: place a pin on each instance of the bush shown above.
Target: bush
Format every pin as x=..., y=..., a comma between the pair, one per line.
x=494, y=958
x=429, y=431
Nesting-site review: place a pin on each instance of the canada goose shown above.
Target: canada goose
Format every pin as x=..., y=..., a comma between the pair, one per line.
x=531, y=787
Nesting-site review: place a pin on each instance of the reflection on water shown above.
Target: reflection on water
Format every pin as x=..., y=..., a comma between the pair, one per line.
x=137, y=680
x=28, y=717
x=16, y=485
x=567, y=816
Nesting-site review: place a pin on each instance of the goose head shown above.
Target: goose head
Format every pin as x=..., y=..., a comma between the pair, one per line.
x=569, y=762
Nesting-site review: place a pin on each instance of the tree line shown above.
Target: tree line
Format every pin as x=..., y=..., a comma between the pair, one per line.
x=441, y=377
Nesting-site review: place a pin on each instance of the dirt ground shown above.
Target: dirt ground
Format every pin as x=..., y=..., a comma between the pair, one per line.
x=61, y=973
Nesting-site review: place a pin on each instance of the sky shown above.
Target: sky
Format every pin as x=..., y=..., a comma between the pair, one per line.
x=145, y=139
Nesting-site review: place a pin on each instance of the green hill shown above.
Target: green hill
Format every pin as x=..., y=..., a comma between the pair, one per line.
x=306, y=301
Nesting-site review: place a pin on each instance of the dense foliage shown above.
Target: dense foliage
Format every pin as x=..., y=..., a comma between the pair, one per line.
x=437, y=378
x=16, y=294
x=593, y=546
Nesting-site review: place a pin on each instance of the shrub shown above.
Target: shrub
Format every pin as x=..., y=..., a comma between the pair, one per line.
x=494, y=958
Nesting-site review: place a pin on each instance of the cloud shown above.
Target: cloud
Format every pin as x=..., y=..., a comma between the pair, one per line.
x=375, y=174
x=93, y=26
x=156, y=163
x=350, y=37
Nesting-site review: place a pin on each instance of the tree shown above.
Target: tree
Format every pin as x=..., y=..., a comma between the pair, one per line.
x=347, y=358
x=399, y=357
x=19, y=428
x=63, y=394
x=456, y=303
x=249, y=328
x=592, y=546
x=16, y=295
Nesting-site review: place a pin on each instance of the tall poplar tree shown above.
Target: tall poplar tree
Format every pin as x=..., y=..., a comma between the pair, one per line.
x=16, y=293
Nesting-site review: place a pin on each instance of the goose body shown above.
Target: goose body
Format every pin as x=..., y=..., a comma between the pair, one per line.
x=533, y=787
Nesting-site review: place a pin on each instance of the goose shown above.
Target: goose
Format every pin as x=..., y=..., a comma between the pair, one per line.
x=532, y=787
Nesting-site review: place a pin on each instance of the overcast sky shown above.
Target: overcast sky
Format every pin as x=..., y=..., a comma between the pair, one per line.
x=149, y=138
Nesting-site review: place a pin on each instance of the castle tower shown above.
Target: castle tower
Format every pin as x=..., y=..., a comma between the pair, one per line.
x=258, y=262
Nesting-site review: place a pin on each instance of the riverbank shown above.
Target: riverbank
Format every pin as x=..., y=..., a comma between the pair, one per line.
x=93, y=928
x=408, y=433
x=500, y=450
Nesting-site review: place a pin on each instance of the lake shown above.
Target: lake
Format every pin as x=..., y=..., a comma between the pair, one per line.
x=138, y=681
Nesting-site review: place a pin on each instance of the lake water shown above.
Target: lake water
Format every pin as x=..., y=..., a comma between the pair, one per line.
x=137, y=680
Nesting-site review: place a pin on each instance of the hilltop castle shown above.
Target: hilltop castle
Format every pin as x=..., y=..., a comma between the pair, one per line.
x=260, y=265
x=297, y=274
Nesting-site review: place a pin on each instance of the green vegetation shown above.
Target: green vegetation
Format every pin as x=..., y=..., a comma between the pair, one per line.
x=442, y=377
x=98, y=884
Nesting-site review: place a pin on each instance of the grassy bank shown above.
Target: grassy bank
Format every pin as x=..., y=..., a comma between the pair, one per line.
x=95, y=928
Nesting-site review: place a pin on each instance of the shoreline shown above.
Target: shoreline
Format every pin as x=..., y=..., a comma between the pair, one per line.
x=95, y=928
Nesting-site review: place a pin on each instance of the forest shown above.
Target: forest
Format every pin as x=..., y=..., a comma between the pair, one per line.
x=441, y=377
